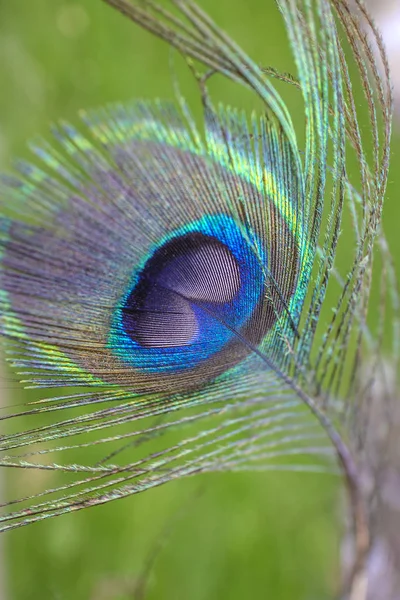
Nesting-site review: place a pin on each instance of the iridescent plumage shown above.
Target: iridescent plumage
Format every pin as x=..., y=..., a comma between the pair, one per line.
x=181, y=273
x=187, y=253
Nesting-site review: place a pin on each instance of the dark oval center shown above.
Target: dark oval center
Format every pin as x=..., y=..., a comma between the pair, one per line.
x=189, y=270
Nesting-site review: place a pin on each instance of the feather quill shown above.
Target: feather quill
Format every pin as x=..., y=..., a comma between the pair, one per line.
x=179, y=275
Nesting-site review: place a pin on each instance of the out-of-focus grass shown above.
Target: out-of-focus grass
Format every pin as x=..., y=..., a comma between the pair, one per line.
x=248, y=535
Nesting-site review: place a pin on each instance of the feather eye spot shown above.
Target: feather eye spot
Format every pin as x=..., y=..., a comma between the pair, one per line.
x=196, y=288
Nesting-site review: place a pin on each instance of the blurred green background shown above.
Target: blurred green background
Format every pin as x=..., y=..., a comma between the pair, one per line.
x=245, y=536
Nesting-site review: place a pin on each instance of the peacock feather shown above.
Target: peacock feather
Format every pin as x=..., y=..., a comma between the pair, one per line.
x=189, y=283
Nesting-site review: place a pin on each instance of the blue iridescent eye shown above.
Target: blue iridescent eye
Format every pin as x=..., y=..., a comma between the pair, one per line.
x=190, y=296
